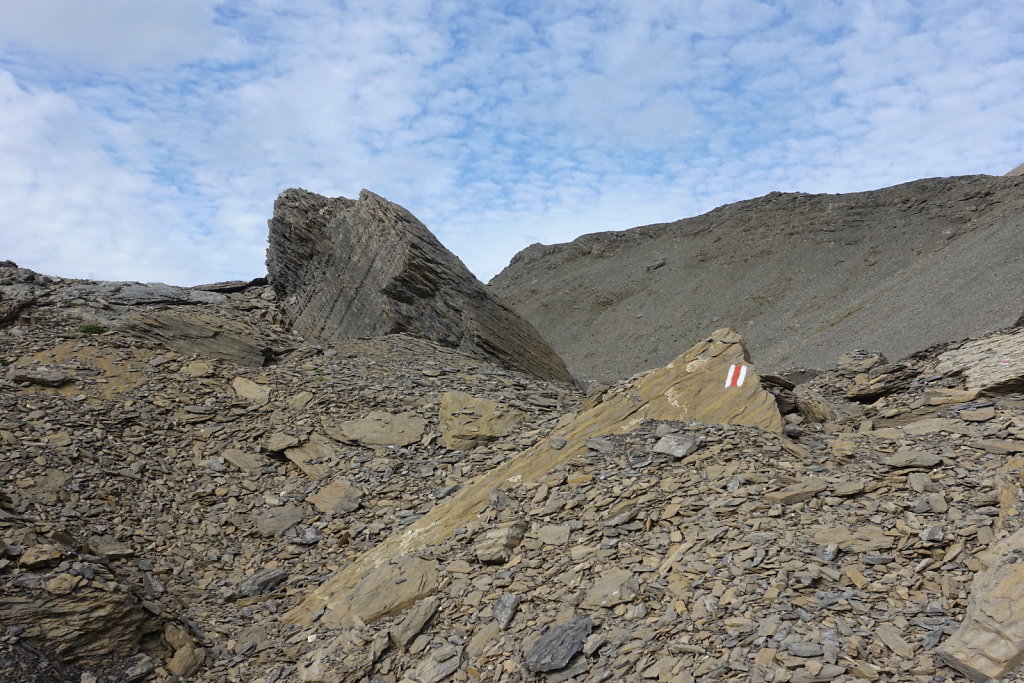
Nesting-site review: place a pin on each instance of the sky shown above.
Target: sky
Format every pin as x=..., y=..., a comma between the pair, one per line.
x=147, y=139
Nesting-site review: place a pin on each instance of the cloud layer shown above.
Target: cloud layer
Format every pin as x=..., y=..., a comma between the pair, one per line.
x=147, y=140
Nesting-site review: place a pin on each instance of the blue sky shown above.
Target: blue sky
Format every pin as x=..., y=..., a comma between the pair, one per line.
x=147, y=139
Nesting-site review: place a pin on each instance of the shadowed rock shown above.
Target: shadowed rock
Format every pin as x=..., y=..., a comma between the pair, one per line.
x=346, y=268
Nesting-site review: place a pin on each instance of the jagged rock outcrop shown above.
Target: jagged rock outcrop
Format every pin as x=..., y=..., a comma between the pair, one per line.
x=805, y=276
x=346, y=268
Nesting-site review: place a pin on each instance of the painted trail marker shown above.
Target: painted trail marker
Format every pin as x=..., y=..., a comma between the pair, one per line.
x=737, y=374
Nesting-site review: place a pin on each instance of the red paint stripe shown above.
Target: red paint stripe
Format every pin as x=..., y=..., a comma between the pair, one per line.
x=734, y=377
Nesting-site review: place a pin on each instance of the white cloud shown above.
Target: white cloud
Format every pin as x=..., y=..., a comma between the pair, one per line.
x=148, y=140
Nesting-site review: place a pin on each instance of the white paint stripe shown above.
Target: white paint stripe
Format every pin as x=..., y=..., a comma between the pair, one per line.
x=728, y=376
x=743, y=376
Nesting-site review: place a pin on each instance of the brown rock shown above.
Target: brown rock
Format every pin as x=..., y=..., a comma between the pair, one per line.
x=991, y=364
x=467, y=421
x=990, y=642
x=337, y=497
x=380, y=429
x=798, y=492
x=395, y=277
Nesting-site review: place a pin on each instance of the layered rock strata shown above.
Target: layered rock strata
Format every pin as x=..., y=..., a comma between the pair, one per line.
x=348, y=268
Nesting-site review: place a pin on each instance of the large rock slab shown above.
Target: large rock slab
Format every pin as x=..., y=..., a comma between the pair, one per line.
x=346, y=268
x=202, y=333
x=467, y=421
x=990, y=642
x=990, y=364
x=701, y=385
x=380, y=428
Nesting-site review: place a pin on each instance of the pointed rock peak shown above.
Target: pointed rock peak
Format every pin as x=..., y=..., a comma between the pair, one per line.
x=346, y=268
x=712, y=382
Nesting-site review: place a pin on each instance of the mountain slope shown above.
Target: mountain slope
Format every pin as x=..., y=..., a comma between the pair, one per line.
x=806, y=277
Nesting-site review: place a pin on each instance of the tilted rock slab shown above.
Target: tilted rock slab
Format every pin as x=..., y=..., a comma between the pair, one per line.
x=346, y=268
x=991, y=364
x=990, y=641
x=701, y=385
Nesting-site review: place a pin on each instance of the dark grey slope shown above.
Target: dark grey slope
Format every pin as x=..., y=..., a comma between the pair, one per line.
x=804, y=277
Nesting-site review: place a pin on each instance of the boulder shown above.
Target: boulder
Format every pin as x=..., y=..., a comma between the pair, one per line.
x=346, y=268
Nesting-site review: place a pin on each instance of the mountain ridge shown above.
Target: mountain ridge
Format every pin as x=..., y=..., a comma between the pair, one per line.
x=835, y=271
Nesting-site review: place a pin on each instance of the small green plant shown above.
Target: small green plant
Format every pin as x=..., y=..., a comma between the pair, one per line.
x=4, y=362
x=91, y=329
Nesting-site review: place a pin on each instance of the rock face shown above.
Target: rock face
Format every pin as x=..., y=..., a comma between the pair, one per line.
x=806, y=277
x=347, y=268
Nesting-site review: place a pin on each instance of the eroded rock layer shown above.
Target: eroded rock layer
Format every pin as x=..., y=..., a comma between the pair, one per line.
x=348, y=268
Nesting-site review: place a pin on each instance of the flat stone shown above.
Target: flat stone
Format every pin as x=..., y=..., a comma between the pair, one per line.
x=251, y=391
x=44, y=377
x=558, y=645
x=316, y=458
x=389, y=589
x=338, y=497
x=611, y=588
x=912, y=459
x=892, y=639
x=247, y=462
x=279, y=441
x=804, y=649
x=276, y=521
x=110, y=548
x=467, y=421
x=862, y=539
x=796, y=493
x=380, y=428
x=40, y=556
x=978, y=415
x=554, y=534
x=992, y=364
x=677, y=445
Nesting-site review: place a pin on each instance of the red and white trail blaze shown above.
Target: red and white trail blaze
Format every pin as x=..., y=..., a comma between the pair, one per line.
x=737, y=373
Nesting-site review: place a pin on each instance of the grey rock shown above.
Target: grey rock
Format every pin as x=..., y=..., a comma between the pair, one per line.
x=912, y=459
x=134, y=294
x=677, y=445
x=505, y=609
x=347, y=268
x=44, y=377
x=558, y=645
x=198, y=332
x=262, y=581
x=414, y=621
x=804, y=649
